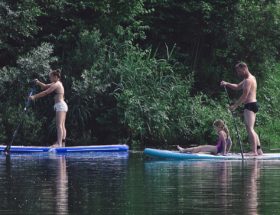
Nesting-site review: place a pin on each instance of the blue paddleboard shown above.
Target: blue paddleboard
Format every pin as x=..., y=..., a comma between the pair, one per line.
x=68, y=149
x=176, y=155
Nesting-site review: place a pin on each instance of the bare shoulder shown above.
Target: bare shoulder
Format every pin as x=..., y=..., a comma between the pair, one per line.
x=240, y=85
x=222, y=134
x=252, y=77
x=57, y=84
x=54, y=86
x=248, y=82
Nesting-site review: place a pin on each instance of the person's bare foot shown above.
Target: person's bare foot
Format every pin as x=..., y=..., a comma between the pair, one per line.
x=55, y=145
x=63, y=142
x=180, y=148
x=251, y=154
x=259, y=150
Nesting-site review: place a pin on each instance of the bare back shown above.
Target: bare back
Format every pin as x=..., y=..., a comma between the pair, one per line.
x=250, y=85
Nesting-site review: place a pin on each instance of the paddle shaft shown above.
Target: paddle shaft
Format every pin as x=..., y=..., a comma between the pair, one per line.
x=235, y=125
x=27, y=103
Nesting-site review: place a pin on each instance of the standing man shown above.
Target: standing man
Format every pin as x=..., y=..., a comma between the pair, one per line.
x=249, y=87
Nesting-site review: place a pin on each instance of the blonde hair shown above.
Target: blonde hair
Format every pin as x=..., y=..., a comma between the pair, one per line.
x=221, y=124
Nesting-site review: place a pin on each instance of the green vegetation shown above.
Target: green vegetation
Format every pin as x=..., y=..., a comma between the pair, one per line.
x=137, y=72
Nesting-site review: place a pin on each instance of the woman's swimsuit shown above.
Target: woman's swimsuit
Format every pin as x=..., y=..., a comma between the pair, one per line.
x=60, y=106
x=219, y=145
x=252, y=106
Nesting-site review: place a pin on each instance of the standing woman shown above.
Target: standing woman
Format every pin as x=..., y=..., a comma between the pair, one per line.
x=60, y=106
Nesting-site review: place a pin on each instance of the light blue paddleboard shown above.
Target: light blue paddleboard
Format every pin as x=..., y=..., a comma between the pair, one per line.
x=69, y=149
x=176, y=155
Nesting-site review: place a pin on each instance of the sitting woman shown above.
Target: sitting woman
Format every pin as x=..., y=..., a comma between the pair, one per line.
x=223, y=145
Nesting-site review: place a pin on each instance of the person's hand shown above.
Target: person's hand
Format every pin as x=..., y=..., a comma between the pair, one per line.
x=36, y=81
x=32, y=98
x=233, y=107
x=223, y=83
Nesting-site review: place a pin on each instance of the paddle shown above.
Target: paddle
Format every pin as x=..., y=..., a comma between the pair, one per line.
x=27, y=103
x=234, y=122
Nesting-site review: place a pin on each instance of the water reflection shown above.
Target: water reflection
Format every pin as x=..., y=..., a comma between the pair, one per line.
x=98, y=186
x=30, y=183
x=195, y=187
x=113, y=184
x=252, y=188
x=61, y=187
x=53, y=184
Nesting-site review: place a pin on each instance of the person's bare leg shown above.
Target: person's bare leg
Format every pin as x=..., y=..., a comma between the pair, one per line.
x=260, y=152
x=63, y=118
x=206, y=148
x=60, y=116
x=181, y=149
x=203, y=148
x=185, y=149
x=250, y=118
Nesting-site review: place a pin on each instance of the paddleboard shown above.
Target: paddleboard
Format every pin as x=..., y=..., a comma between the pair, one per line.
x=176, y=155
x=68, y=149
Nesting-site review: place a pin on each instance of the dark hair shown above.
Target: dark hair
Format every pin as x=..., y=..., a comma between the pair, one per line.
x=55, y=72
x=241, y=65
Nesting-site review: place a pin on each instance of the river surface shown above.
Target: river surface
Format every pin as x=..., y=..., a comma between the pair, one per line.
x=129, y=183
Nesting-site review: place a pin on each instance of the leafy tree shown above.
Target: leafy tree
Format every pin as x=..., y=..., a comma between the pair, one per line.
x=122, y=80
x=211, y=36
x=15, y=83
x=18, y=21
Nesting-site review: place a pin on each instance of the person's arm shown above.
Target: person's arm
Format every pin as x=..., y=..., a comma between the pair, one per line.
x=222, y=137
x=232, y=86
x=228, y=145
x=246, y=89
x=42, y=85
x=50, y=89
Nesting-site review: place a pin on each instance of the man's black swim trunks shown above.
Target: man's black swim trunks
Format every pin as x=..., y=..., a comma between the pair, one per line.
x=252, y=106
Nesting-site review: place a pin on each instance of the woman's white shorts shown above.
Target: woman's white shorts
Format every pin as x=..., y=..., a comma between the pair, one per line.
x=61, y=106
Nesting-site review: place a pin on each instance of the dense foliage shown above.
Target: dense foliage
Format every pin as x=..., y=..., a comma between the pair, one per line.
x=136, y=72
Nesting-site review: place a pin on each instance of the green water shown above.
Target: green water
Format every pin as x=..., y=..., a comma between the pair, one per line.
x=122, y=183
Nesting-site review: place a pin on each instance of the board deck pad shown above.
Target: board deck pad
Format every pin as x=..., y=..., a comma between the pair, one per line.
x=176, y=155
